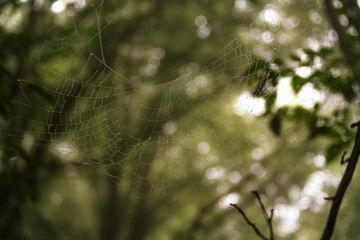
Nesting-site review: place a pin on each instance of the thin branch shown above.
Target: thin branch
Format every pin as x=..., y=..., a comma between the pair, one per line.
x=344, y=183
x=343, y=160
x=267, y=217
x=267, y=160
x=256, y=194
x=256, y=230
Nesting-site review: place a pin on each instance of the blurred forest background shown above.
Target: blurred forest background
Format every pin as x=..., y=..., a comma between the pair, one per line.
x=145, y=119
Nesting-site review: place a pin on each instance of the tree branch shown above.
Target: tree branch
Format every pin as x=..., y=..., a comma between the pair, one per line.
x=267, y=218
x=267, y=160
x=256, y=230
x=333, y=19
x=344, y=183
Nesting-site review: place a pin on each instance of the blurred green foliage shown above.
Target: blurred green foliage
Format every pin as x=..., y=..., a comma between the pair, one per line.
x=144, y=92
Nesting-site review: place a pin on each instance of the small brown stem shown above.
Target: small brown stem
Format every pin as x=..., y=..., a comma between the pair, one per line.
x=256, y=230
x=267, y=218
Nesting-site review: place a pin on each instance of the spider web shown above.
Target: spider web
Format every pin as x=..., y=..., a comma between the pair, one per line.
x=143, y=131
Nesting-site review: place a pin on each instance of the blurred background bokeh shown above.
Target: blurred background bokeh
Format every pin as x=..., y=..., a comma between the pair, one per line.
x=145, y=119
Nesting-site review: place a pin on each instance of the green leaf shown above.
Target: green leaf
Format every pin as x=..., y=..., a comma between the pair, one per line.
x=269, y=102
x=334, y=151
x=297, y=83
x=347, y=89
x=275, y=124
x=273, y=78
x=302, y=114
x=278, y=62
x=311, y=53
x=286, y=71
x=295, y=58
x=324, y=52
x=325, y=131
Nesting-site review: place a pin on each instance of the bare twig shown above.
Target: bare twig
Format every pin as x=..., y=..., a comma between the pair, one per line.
x=267, y=218
x=343, y=160
x=344, y=183
x=256, y=230
x=267, y=160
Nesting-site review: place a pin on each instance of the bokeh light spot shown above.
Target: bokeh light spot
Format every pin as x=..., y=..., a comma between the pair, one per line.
x=58, y=6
